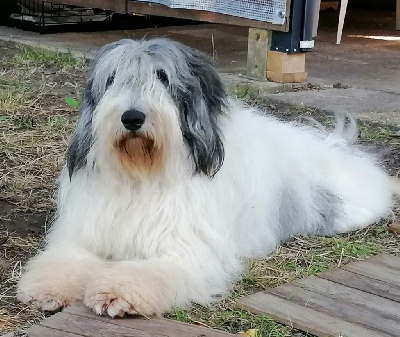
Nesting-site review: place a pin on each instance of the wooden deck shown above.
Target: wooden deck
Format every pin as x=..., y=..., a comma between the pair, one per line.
x=78, y=321
x=361, y=299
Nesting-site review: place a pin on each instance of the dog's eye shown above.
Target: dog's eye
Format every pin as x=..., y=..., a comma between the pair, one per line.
x=162, y=76
x=110, y=80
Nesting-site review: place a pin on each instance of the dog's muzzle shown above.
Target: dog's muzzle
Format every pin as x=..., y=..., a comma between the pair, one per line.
x=133, y=119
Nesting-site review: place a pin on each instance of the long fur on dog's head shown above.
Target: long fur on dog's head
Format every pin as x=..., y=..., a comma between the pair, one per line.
x=179, y=92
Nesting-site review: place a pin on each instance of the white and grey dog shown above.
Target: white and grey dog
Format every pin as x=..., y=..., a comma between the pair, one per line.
x=169, y=183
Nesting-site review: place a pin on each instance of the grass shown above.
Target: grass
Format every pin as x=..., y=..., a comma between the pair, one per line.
x=35, y=124
x=232, y=320
x=32, y=153
x=32, y=56
x=17, y=91
x=368, y=131
x=12, y=313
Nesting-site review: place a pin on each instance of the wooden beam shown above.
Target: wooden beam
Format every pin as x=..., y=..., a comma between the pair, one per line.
x=317, y=9
x=342, y=15
x=286, y=68
x=330, y=4
x=259, y=43
x=398, y=14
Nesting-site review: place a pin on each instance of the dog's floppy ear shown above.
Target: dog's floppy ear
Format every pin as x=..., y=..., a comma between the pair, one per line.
x=202, y=102
x=82, y=137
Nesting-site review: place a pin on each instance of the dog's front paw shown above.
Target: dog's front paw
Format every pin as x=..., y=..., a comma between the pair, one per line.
x=52, y=282
x=47, y=291
x=43, y=300
x=111, y=304
x=116, y=295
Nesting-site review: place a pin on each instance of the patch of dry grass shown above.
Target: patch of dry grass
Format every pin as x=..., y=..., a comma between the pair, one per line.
x=28, y=57
x=14, y=253
x=35, y=124
x=32, y=153
x=308, y=256
x=17, y=91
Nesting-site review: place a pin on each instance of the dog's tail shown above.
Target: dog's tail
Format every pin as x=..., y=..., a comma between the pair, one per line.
x=345, y=127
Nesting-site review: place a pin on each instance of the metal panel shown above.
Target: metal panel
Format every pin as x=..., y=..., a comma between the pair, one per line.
x=299, y=37
x=272, y=11
x=200, y=15
x=126, y=6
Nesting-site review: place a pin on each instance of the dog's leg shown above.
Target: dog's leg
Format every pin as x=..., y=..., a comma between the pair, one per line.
x=56, y=278
x=150, y=287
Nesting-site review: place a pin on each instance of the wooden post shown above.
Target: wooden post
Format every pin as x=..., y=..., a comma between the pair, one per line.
x=259, y=43
x=342, y=15
x=317, y=8
x=398, y=14
x=286, y=68
x=275, y=66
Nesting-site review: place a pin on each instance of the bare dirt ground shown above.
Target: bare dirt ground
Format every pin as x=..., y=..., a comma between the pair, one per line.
x=35, y=124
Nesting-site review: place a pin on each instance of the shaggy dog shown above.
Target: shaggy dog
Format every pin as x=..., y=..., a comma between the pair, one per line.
x=169, y=184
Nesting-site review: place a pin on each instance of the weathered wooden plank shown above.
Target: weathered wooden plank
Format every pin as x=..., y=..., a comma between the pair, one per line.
x=345, y=310
x=374, y=271
x=395, y=227
x=84, y=326
x=398, y=14
x=364, y=283
x=303, y=318
x=41, y=331
x=388, y=261
x=344, y=294
x=163, y=326
x=259, y=43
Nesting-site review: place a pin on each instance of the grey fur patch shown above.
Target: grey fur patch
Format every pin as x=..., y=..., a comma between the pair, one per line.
x=82, y=137
x=328, y=207
x=295, y=217
x=201, y=98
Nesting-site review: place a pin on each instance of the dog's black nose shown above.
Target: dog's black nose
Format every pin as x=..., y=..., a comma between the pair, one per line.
x=133, y=119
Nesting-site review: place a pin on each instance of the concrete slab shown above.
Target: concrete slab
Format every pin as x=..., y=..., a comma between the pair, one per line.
x=382, y=107
x=367, y=57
